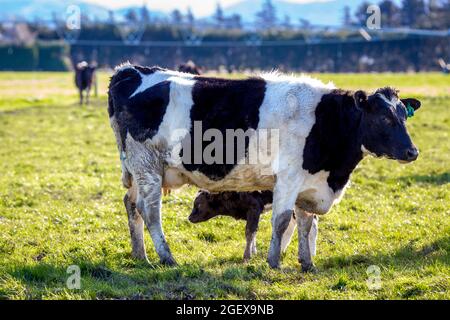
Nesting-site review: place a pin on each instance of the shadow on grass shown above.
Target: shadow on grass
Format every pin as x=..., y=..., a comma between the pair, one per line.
x=437, y=179
x=406, y=257
x=132, y=279
x=142, y=281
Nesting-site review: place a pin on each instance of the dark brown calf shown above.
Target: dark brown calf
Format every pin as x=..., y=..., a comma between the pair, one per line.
x=239, y=205
x=245, y=206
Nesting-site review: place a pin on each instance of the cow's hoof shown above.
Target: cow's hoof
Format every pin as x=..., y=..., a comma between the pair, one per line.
x=139, y=256
x=169, y=261
x=274, y=263
x=310, y=268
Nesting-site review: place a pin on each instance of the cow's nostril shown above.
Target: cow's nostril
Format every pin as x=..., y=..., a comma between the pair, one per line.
x=412, y=154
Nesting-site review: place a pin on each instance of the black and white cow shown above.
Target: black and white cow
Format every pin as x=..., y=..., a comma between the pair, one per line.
x=84, y=79
x=322, y=133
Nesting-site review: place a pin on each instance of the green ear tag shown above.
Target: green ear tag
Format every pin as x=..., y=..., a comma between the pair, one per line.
x=409, y=110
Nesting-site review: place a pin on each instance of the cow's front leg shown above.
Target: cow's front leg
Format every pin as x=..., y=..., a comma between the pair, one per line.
x=136, y=224
x=284, y=196
x=251, y=229
x=149, y=205
x=305, y=221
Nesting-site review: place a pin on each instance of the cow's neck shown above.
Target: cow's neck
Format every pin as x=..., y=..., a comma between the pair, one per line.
x=334, y=143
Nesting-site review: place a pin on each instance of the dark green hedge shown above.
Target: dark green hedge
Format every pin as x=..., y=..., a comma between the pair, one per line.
x=38, y=57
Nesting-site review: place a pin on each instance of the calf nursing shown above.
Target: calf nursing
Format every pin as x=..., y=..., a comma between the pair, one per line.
x=246, y=206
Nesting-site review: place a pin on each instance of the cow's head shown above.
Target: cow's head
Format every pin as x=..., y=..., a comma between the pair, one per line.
x=383, y=126
x=203, y=209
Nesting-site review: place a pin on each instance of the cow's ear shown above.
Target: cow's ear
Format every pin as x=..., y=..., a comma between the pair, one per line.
x=414, y=103
x=360, y=99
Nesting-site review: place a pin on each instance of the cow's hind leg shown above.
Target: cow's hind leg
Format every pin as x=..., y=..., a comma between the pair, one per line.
x=149, y=205
x=305, y=221
x=136, y=224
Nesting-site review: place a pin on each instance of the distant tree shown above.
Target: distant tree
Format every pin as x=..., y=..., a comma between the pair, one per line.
x=267, y=17
x=413, y=11
x=145, y=15
x=286, y=24
x=390, y=13
x=176, y=17
x=234, y=22
x=438, y=14
x=190, y=17
x=218, y=15
x=131, y=16
x=111, y=18
x=305, y=24
x=347, y=17
x=361, y=14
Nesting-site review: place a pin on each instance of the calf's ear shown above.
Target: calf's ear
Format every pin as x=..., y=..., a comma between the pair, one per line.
x=414, y=103
x=360, y=99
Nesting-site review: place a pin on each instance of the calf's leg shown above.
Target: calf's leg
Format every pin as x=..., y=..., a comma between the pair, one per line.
x=135, y=224
x=250, y=234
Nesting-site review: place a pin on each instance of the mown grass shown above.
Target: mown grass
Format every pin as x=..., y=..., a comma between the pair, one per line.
x=60, y=205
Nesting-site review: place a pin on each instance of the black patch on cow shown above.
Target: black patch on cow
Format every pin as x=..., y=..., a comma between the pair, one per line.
x=141, y=114
x=334, y=143
x=224, y=104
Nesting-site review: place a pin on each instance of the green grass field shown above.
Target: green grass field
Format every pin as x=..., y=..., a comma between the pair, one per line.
x=61, y=205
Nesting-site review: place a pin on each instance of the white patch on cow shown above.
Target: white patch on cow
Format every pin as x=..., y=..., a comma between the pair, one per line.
x=123, y=66
x=391, y=102
x=176, y=122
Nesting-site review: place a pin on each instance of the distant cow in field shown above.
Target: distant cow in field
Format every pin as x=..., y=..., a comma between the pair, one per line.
x=189, y=67
x=246, y=206
x=84, y=79
x=170, y=125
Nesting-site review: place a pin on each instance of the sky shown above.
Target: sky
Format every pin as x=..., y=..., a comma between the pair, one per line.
x=199, y=7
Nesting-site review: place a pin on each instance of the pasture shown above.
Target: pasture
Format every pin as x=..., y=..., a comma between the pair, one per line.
x=61, y=205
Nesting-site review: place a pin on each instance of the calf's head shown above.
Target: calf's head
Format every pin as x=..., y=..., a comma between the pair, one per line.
x=204, y=207
x=383, y=126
